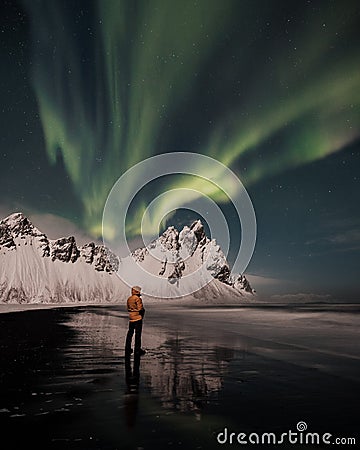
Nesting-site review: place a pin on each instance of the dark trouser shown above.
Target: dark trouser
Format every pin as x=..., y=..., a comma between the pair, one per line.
x=137, y=328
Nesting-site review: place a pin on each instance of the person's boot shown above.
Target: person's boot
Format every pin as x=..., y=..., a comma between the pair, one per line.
x=140, y=352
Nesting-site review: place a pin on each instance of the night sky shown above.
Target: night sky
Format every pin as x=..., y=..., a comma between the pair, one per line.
x=269, y=88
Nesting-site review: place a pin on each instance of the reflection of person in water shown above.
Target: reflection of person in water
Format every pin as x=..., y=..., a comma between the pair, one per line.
x=136, y=313
x=132, y=378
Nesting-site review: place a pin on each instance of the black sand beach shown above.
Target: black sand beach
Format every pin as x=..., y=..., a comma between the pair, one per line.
x=65, y=383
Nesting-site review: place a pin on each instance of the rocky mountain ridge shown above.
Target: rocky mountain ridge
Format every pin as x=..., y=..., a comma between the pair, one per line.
x=62, y=249
x=35, y=268
x=174, y=248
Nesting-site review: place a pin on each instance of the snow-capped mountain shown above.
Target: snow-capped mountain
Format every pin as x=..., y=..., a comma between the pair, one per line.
x=35, y=269
x=177, y=264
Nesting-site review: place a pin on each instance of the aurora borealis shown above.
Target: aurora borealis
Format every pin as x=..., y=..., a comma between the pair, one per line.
x=269, y=88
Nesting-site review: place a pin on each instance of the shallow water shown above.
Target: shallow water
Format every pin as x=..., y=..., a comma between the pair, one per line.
x=65, y=382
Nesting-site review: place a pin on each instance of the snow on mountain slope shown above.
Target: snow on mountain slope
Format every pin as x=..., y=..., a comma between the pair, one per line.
x=35, y=269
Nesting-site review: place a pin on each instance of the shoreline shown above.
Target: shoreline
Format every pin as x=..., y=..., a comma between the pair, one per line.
x=21, y=307
x=18, y=307
x=163, y=304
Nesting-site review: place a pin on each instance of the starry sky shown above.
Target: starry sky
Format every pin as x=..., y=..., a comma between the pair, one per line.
x=269, y=88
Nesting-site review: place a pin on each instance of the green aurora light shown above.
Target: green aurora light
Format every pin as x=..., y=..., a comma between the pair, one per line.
x=107, y=87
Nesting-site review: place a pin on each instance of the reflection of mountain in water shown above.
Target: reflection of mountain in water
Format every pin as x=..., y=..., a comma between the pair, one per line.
x=185, y=374
x=179, y=372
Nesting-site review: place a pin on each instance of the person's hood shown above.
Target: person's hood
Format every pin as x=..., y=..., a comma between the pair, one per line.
x=136, y=290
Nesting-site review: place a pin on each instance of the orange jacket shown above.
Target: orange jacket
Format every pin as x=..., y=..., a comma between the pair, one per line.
x=135, y=308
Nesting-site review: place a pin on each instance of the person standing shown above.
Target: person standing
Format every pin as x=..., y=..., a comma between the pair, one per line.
x=136, y=311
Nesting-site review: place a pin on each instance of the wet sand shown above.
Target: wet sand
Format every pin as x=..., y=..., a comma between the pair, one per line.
x=65, y=381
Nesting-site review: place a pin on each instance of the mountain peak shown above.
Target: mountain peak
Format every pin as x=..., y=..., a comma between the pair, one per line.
x=15, y=216
x=196, y=222
x=198, y=229
x=17, y=222
x=17, y=225
x=170, y=239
